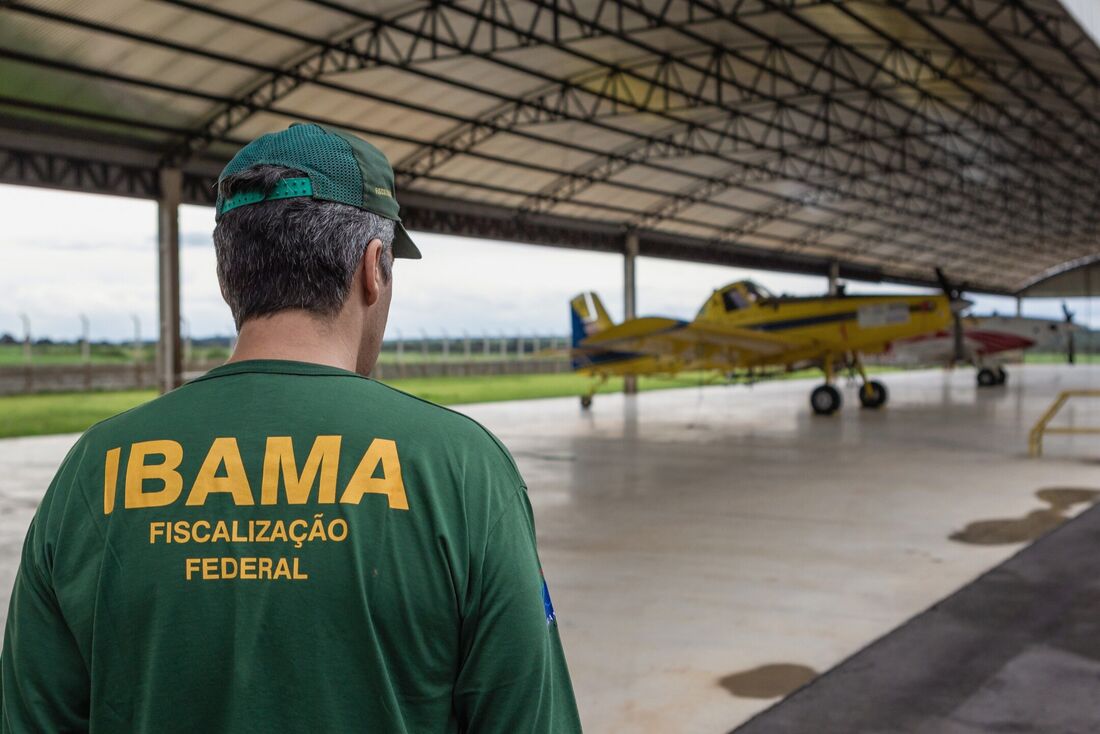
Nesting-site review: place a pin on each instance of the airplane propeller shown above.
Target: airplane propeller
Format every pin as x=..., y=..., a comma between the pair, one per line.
x=1071, y=347
x=954, y=293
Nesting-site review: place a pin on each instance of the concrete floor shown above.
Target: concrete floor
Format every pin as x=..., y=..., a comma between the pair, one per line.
x=1015, y=652
x=693, y=534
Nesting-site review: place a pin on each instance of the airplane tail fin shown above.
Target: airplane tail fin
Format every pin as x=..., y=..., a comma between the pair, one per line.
x=588, y=316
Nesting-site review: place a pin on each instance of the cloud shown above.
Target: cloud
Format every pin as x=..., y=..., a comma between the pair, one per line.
x=63, y=254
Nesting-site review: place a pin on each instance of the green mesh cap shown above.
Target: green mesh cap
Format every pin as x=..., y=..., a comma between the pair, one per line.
x=339, y=167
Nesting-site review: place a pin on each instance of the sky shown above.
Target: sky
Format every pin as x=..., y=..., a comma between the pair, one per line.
x=66, y=254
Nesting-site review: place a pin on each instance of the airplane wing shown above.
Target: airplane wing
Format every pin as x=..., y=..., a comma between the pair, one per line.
x=661, y=336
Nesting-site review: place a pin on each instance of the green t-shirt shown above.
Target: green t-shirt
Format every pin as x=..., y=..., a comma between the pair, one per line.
x=284, y=547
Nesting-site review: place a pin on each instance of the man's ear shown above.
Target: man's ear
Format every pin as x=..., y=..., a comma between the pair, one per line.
x=371, y=268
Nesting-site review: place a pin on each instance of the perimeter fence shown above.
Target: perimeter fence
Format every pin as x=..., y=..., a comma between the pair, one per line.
x=31, y=366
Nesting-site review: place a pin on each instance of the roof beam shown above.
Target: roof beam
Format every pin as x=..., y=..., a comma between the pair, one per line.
x=521, y=110
x=285, y=87
x=471, y=137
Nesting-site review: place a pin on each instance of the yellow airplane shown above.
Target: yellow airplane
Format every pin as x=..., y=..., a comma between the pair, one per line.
x=744, y=327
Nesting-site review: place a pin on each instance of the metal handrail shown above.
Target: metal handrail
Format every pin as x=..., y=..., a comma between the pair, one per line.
x=1035, y=438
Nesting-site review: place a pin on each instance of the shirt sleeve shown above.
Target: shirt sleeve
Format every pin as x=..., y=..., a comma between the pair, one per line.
x=513, y=676
x=44, y=681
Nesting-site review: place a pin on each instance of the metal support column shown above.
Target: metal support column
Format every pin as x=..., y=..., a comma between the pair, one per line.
x=169, y=344
x=630, y=254
x=834, y=276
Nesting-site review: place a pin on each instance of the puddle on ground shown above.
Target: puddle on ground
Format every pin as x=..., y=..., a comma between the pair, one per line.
x=1031, y=526
x=1063, y=498
x=768, y=681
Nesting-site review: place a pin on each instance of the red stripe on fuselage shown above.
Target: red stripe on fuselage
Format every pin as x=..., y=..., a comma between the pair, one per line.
x=998, y=341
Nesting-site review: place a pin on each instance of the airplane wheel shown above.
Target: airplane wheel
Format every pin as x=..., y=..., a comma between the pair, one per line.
x=825, y=400
x=586, y=401
x=986, y=377
x=1002, y=376
x=872, y=395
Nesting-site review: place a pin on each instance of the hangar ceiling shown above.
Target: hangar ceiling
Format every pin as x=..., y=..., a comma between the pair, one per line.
x=889, y=136
x=1075, y=280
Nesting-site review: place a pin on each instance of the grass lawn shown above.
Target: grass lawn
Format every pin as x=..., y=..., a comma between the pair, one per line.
x=1059, y=358
x=493, y=388
x=11, y=355
x=37, y=415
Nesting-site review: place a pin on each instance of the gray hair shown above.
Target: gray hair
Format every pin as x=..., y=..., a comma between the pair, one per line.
x=291, y=253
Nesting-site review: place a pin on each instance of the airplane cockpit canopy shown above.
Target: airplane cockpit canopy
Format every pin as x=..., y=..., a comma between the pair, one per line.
x=743, y=294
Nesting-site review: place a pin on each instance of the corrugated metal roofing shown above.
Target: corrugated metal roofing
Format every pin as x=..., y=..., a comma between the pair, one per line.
x=891, y=136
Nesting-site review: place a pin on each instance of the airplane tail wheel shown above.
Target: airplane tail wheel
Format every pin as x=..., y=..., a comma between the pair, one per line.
x=986, y=377
x=825, y=400
x=586, y=401
x=1002, y=376
x=872, y=395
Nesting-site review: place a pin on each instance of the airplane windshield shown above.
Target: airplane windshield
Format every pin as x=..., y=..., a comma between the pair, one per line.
x=757, y=292
x=744, y=294
x=733, y=300
x=741, y=295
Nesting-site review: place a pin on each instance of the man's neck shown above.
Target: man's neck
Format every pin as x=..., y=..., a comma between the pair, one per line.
x=297, y=336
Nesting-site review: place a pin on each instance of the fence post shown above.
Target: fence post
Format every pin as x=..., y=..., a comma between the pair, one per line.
x=466, y=355
x=86, y=350
x=445, y=370
x=137, y=350
x=186, y=341
x=28, y=357
x=399, y=354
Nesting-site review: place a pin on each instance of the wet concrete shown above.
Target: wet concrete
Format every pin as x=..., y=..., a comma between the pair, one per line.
x=1033, y=525
x=1015, y=652
x=693, y=533
x=768, y=681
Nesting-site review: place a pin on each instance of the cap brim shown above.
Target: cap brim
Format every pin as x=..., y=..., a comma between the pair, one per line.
x=403, y=245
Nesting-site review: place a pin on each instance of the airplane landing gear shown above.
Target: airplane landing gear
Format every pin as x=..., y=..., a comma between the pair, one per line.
x=991, y=377
x=586, y=399
x=872, y=394
x=825, y=400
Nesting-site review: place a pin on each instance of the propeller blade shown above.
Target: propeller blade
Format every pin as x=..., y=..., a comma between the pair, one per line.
x=958, y=305
x=959, y=354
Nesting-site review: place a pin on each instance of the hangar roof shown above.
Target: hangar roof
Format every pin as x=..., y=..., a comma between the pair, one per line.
x=891, y=136
x=1079, y=279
